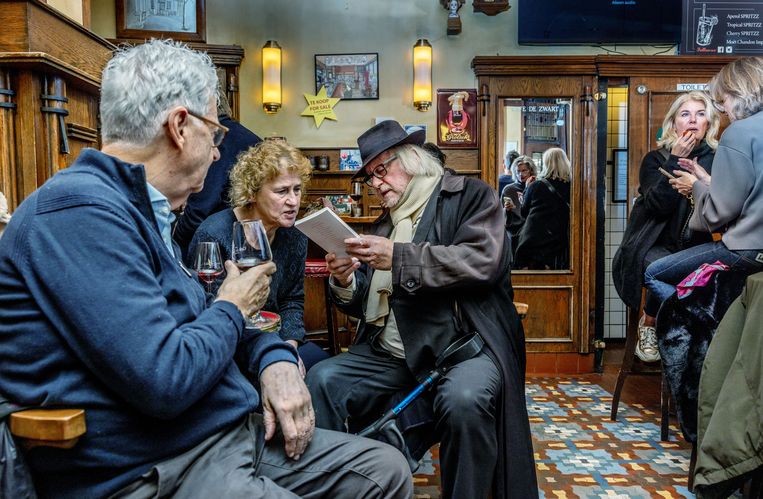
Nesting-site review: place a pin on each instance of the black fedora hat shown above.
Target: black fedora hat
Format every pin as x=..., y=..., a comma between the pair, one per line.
x=383, y=136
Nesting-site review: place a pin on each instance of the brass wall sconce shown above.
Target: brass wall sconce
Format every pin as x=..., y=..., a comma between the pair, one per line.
x=271, y=77
x=422, y=74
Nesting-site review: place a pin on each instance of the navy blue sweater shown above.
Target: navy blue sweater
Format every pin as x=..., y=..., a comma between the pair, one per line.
x=95, y=312
x=287, y=285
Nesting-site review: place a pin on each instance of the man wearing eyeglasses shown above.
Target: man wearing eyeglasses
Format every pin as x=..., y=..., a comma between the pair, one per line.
x=98, y=312
x=213, y=197
x=435, y=269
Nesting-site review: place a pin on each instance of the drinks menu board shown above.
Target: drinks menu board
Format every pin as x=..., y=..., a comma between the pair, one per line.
x=722, y=27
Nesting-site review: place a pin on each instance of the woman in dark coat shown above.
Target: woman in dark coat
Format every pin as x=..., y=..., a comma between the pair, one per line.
x=544, y=241
x=524, y=172
x=658, y=224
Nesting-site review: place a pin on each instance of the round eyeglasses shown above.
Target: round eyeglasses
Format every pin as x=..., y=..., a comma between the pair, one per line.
x=379, y=171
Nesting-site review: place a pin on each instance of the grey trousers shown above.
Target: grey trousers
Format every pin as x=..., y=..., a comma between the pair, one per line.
x=238, y=463
x=359, y=383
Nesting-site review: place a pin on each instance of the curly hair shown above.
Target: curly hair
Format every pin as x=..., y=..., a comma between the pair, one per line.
x=262, y=163
x=669, y=135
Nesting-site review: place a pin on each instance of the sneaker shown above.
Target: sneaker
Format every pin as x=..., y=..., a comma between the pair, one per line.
x=646, y=347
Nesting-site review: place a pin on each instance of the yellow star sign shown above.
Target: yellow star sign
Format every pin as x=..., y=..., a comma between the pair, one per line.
x=320, y=107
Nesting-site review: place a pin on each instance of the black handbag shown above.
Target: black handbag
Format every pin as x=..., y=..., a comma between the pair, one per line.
x=15, y=477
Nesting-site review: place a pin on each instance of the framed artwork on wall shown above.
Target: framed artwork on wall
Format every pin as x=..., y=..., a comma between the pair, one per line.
x=619, y=175
x=348, y=76
x=177, y=19
x=457, y=118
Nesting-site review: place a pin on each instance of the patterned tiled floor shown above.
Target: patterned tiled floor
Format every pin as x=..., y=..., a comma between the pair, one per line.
x=580, y=453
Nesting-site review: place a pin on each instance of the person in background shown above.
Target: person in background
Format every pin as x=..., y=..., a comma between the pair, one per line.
x=5, y=216
x=524, y=171
x=544, y=240
x=658, y=223
x=267, y=184
x=506, y=178
x=97, y=312
x=435, y=151
x=213, y=196
x=732, y=200
x=435, y=269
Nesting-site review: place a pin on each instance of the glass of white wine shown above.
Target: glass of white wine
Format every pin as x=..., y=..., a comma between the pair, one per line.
x=249, y=248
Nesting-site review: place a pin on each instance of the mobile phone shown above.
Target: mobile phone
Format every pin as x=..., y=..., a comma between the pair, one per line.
x=666, y=173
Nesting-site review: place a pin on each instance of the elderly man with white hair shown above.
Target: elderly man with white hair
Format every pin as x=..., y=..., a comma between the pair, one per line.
x=98, y=312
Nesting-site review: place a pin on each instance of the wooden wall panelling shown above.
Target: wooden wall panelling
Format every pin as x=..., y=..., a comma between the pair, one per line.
x=549, y=316
x=43, y=53
x=227, y=58
x=8, y=105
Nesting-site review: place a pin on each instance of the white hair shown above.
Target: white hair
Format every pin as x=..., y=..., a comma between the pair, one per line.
x=141, y=84
x=415, y=160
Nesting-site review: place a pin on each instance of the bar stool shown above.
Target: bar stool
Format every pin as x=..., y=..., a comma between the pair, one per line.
x=631, y=338
x=316, y=268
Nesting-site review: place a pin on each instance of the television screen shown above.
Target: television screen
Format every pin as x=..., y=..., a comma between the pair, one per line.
x=590, y=22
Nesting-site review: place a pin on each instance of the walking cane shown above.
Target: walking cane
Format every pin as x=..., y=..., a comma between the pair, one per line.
x=462, y=349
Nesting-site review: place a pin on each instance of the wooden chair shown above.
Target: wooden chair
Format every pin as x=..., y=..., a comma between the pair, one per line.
x=631, y=338
x=316, y=268
x=47, y=427
x=521, y=309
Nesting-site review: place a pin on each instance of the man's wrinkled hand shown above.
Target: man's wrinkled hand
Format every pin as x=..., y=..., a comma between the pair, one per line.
x=376, y=251
x=285, y=400
x=247, y=290
x=341, y=268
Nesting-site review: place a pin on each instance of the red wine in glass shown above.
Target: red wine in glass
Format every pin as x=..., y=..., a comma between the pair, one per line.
x=245, y=264
x=250, y=247
x=209, y=276
x=208, y=262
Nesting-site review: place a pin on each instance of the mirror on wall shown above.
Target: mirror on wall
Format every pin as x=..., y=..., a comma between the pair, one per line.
x=537, y=195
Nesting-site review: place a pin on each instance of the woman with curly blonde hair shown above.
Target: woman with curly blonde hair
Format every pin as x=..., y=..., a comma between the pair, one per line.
x=266, y=184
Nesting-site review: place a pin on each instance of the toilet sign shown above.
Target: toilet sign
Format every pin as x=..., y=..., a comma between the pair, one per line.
x=688, y=87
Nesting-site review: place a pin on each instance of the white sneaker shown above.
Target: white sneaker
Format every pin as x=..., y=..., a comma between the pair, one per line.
x=646, y=347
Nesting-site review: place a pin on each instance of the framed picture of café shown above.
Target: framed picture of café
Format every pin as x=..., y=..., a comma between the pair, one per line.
x=177, y=19
x=348, y=76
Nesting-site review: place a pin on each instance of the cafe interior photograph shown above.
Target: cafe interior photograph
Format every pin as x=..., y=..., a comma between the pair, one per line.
x=381, y=248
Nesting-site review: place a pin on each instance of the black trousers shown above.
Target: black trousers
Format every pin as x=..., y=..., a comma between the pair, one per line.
x=359, y=383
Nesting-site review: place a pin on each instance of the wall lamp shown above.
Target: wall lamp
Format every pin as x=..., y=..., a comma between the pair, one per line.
x=271, y=77
x=422, y=74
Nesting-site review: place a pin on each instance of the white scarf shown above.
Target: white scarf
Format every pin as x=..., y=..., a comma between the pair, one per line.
x=405, y=215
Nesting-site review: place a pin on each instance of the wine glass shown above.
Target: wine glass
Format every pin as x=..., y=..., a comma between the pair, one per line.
x=249, y=248
x=208, y=263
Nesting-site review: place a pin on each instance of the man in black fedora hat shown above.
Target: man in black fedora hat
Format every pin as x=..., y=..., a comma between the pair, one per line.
x=435, y=269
